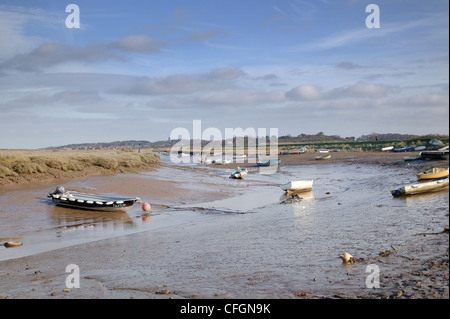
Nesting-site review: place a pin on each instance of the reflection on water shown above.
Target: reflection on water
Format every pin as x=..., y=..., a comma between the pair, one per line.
x=68, y=220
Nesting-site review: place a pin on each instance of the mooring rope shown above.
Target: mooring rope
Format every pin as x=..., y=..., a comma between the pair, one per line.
x=390, y=252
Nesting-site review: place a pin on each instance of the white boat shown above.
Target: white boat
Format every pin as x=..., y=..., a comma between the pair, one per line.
x=420, y=148
x=181, y=155
x=239, y=173
x=389, y=148
x=421, y=187
x=205, y=160
x=297, y=186
x=435, y=142
x=323, y=157
x=78, y=200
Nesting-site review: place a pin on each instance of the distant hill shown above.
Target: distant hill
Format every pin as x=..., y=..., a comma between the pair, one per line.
x=131, y=144
x=286, y=139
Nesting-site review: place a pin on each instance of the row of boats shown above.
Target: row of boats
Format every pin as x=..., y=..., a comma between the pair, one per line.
x=431, y=180
x=428, y=181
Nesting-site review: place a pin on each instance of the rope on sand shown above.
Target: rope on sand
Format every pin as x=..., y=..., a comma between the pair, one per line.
x=347, y=258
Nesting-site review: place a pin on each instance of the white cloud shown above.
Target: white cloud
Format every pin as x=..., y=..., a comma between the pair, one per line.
x=215, y=79
x=358, y=90
x=350, y=37
x=361, y=89
x=51, y=54
x=305, y=93
x=429, y=100
x=138, y=43
x=12, y=25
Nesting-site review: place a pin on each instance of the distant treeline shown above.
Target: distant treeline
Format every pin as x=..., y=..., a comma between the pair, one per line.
x=375, y=139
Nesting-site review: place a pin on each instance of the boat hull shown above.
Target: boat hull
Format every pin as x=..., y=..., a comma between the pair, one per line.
x=436, y=155
x=239, y=173
x=419, y=188
x=433, y=173
x=323, y=157
x=297, y=186
x=269, y=163
x=92, y=202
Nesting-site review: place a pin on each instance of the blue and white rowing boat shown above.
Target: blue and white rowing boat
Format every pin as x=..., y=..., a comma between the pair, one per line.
x=78, y=200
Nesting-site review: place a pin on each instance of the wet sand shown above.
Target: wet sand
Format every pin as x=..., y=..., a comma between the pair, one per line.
x=198, y=243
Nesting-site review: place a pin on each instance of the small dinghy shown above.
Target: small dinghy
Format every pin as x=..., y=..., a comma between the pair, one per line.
x=239, y=173
x=323, y=157
x=269, y=162
x=433, y=173
x=297, y=186
x=419, y=188
x=78, y=200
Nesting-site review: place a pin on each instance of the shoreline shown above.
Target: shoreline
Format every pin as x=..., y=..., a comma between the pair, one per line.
x=58, y=176
x=42, y=275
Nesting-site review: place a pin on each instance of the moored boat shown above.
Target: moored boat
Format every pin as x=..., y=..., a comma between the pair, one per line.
x=239, y=173
x=435, y=155
x=419, y=188
x=323, y=157
x=269, y=162
x=79, y=200
x=433, y=173
x=297, y=186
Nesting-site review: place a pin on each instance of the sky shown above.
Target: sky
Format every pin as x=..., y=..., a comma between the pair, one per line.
x=137, y=70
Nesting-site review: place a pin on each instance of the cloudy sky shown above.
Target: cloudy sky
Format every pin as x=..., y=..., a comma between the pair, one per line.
x=139, y=69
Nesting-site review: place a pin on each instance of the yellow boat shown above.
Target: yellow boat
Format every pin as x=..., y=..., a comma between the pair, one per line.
x=433, y=173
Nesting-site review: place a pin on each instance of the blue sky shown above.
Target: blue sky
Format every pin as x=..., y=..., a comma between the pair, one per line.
x=139, y=69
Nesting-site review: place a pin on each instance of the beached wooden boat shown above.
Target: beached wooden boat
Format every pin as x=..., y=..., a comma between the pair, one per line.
x=435, y=155
x=239, y=173
x=294, y=151
x=433, y=173
x=78, y=200
x=419, y=188
x=269, y=162
x=297, y=186
x=323, y=157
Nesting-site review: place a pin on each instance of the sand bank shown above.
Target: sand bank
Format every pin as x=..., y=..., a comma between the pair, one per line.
x=21, y=167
